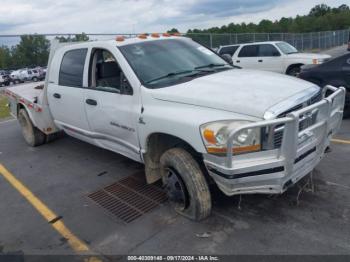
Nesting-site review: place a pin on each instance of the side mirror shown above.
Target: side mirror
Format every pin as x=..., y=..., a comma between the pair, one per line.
x=126, y=88
x=227, y=58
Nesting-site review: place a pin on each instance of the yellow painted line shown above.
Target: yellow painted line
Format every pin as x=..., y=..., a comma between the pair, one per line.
x=76, y=244
x=341, y=141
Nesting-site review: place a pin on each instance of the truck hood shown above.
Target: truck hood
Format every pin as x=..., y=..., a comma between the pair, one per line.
x=308, y=56
x=246, y=92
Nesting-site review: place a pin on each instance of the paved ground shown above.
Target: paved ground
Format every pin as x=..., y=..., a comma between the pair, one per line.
x=62, y=173
x=337, y=51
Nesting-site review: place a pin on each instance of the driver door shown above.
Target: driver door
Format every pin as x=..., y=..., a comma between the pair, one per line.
x=111, y=105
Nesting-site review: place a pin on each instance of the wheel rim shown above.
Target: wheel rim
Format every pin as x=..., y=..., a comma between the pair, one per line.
x=176, y=189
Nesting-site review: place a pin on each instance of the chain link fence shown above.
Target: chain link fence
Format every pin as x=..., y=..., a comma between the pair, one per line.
x=305, y=41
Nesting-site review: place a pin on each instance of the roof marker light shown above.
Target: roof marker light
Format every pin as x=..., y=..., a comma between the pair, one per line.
x=120, y=38
x=143, y=36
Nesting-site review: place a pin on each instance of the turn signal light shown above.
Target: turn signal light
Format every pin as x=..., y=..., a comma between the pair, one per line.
x=209, y=136
x=120, y=38
x=236, y=150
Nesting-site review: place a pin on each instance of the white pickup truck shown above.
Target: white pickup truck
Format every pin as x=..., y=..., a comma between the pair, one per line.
x=180, y=109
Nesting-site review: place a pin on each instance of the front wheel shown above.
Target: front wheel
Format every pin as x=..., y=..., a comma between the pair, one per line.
x=185, y=183
x=32, y=135
x=294, y=71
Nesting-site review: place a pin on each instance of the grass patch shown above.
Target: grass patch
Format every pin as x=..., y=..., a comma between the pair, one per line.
x=4, y=110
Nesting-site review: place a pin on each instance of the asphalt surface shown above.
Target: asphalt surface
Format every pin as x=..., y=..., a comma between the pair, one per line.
x=61, y=174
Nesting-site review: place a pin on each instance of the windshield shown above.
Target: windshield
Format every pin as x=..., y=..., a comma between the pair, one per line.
x=167, y=62
x=287, y=48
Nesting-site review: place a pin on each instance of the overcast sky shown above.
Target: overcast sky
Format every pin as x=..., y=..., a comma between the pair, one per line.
x=128, y=16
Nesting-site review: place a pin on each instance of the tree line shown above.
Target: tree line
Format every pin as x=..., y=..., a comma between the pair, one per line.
x=32, y=50
x=320, y=18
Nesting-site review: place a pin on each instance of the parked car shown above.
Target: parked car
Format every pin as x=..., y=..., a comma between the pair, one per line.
x=335, y=72
x=4, y=80
x=279, y=57
x=189, y=116
x=30, y=75
x=15, y=76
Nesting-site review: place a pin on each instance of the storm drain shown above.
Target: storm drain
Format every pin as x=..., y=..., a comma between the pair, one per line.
x=129, y=198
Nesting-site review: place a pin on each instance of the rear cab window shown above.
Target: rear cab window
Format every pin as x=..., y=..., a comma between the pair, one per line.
x=72, y=68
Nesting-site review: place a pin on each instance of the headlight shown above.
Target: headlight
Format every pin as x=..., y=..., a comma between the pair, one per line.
x=215, y=136
x=318, y=61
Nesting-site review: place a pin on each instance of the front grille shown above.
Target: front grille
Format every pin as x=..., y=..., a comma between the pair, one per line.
x=303, y=124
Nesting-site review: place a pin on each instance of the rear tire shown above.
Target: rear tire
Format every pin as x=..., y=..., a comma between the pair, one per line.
x=186, y=185
x=32, y=135
x=35, y=79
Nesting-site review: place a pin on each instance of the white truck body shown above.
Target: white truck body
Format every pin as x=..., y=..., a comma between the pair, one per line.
x=126, y=124
x=269, y=56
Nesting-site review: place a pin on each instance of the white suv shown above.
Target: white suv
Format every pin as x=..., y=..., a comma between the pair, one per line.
x=30, y=75
x=279, y=57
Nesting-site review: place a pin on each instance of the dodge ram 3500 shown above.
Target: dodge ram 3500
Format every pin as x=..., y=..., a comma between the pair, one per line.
x=183, y=111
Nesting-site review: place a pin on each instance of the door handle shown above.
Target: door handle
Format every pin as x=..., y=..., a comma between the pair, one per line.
x=238, y=61
x=91, y=102
x=56, y=95
x=260, y=61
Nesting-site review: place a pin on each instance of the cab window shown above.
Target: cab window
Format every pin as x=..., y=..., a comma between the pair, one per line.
x=249, y=51
x=268, y=50
x=72, y=68
x=106, y=74
x=230, y=50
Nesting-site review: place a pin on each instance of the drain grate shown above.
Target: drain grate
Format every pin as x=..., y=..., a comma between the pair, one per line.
x=129, y=198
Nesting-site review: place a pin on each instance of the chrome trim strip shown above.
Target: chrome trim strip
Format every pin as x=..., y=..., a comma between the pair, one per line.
x=291, y=102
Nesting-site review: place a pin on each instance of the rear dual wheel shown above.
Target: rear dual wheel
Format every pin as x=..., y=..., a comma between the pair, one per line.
x=32, y=135
x=185, y=184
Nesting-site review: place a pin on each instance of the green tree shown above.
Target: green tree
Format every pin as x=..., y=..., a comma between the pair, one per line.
x=173, y=30
x=320, y=18
x=5, y=57
x=32, y=50
x=76, y=38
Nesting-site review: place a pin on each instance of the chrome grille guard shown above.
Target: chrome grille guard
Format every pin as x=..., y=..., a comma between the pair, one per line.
x=328, y=108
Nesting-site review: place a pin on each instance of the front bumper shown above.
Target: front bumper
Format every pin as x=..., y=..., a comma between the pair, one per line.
x=273, y=171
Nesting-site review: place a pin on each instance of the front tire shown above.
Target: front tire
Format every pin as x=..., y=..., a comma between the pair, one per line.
x=294, y=71
x=32, y=135
x=185, y=183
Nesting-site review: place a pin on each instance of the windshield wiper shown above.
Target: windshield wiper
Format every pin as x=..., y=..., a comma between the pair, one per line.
x=169, y=75
x=210, y=66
